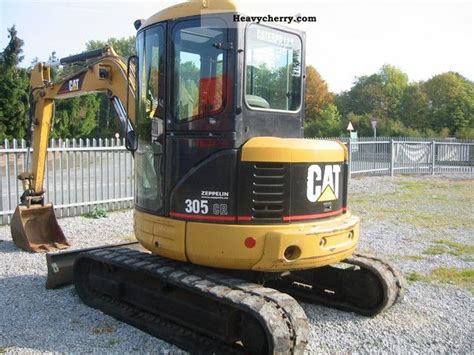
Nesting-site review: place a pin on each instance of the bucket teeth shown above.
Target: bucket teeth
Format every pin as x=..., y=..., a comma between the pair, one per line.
x=36, y=229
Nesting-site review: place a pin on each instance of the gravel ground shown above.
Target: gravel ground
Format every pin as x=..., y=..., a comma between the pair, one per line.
x=433, y=317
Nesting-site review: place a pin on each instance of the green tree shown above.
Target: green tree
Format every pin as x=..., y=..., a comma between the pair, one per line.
x=394, y=83
x=322, y=117
x=365, y=97
x=329, y=124
x=11, y=55
x=13, y=89
x=264, y=83
x=451, y=100
x=360, y=122
x=75, y=117
x=378, y=96
x=415, y=107
x=124, y=47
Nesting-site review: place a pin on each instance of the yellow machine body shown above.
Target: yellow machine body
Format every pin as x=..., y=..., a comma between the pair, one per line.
x=267, y=247
x=272, y=247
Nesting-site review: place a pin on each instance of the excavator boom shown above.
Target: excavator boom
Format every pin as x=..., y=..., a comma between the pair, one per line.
x=34, y=226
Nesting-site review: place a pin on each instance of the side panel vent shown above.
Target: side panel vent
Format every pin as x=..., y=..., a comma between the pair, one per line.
x=268, y=186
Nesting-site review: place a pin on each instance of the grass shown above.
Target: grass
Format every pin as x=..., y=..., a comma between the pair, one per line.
x=433, y=204
x=96, y=212
x=459, y=277
x=450, y=247
x=454, y=275
x=3, y=350
x=113, y=342
x=435, y=250
x=414, y=276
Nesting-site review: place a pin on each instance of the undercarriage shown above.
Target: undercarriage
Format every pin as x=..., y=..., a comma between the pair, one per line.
x=200, y=309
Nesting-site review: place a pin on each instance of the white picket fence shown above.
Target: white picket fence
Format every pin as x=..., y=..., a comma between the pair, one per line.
x=83, y=173
x=80, y=174
x=394, y=156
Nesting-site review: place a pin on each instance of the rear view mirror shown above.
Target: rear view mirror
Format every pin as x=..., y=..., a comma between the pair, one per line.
x=131, y=141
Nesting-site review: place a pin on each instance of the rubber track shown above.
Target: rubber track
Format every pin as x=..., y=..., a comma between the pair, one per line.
x=391, y=279
x=283, y=318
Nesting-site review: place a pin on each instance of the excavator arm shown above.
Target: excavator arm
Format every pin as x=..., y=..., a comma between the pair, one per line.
x=104, y=71
x=108, y=73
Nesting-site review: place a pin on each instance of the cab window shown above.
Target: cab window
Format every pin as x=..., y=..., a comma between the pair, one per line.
x=149, y=123
x=273, y=69
x=199, y=84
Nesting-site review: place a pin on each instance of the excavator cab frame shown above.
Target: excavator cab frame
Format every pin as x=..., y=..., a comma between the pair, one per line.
x=202, y=106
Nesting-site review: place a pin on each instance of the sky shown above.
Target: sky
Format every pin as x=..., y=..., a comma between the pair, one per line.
x=350, y=38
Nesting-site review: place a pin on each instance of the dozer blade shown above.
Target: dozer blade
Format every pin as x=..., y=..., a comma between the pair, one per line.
x=36, y=229
x=60, y=265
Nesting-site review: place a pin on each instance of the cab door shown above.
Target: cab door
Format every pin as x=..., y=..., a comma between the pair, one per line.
x=149, y=157
x=201, y=111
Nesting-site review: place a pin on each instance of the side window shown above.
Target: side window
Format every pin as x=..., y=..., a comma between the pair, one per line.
x=188, y=90
x=149, y=155
x=272, y=69
x=199, y=69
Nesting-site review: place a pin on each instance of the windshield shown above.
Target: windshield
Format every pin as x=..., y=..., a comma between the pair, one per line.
x=273, y=69
x=199, y=69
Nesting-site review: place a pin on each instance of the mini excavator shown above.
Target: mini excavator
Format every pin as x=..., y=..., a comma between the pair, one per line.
x=239, y=215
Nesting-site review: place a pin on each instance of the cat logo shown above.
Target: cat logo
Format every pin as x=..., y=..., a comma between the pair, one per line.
x=73, y=84
x=323, y=183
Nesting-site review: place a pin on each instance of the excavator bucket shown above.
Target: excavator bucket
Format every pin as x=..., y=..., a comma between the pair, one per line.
x=36, y=229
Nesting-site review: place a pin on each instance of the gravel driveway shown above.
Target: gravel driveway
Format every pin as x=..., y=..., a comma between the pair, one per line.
x=424, y=225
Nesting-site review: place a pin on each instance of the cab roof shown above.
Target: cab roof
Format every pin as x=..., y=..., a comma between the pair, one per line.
x=191, y=8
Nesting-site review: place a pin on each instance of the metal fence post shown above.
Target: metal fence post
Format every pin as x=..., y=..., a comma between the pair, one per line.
x=433, y=156
x=349, y=148
x=392, y=157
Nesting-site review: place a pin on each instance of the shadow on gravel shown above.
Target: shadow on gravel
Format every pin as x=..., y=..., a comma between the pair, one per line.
x=19, y=283
x=7, y=246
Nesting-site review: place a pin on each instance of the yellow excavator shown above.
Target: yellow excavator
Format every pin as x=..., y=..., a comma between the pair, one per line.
x=237, y=213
